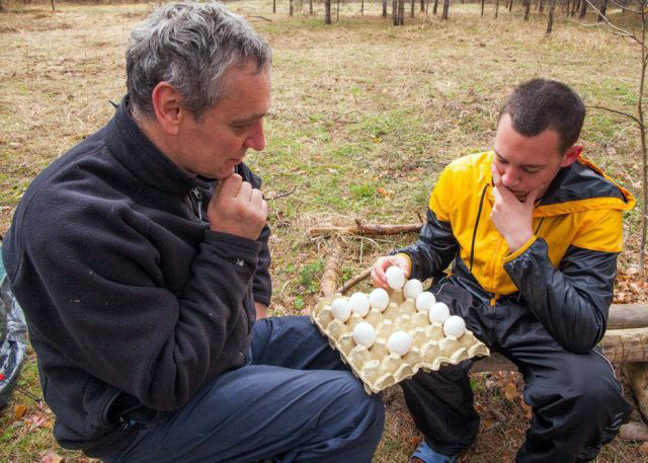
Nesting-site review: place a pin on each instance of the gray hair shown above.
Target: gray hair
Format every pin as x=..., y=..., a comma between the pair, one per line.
x=190, y=46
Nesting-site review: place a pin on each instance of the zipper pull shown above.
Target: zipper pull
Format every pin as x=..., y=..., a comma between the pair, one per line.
x=199, y=198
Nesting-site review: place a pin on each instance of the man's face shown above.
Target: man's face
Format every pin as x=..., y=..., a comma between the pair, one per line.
x=213, y=145
x=527, y=163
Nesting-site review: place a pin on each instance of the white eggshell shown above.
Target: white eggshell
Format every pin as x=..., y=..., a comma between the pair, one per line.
x=454, y=326
x=364, y=334
x=395, y=277
x=341, y=309
x=359, y=304
x=399, y=343
x=439, y=312
x=424, y=301
x=412, y=289
x=379, y=299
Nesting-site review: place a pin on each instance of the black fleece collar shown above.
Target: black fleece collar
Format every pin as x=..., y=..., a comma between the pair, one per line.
x=129, y=144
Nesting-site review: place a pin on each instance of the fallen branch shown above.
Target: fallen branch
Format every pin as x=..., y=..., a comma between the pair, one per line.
x=354, y=281
x=365, y=229
x=331, y=268
x=282, y=195
x=634, y=431
x=261, y=17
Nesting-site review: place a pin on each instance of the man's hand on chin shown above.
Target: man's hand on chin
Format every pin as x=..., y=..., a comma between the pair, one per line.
x=512, y=216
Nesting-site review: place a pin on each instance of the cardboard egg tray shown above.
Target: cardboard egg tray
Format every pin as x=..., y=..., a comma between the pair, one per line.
x=376, y=367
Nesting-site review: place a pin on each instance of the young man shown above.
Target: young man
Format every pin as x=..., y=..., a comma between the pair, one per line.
x=139, y=257
x=533, y=230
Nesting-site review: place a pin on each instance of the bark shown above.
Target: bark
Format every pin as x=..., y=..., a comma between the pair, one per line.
x=423, y=5
x=384, y=11
x=401, y=12
x=602, y=11
x=638, y=378
x=310, y=7
x=361, y=8
x=583, y=10
x=527, y=9
x=327, y=11
x=290, y=13
x=482, y=8
x=274, y=6
x=412, y=9
x=552, y=7
x=627, y=316
x=510, y=6
x=337, y=14
x=446, y=9
x=331, y=270
x=434, y=8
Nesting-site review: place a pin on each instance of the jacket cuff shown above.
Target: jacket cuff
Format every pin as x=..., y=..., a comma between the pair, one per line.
x=262, y=299
x=409, y=260
x=520, y=251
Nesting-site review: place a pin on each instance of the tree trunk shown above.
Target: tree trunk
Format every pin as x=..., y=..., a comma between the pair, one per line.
x=638, y=378
x=575, y=5
x=52, y=1
x=527, y=9
x=434, y=8
x=552, y=7
x=394, y=13
x=644, y=152
x=327, y=11
x=337, y=17
x=384, y=12
x=540, y=6
x=583, y=10
x=510, y=6
x=602, y=10
x=401, y=12
x=423, y=5
x=446, y=9
x=482, y=8
x=310, y=7
x=412, y=12
x=290, y=7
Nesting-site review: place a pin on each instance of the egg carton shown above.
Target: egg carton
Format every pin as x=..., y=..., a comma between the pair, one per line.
x=376, y=367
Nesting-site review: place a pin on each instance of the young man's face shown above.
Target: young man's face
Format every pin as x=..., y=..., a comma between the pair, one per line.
x=527, y=163
x=213, y=145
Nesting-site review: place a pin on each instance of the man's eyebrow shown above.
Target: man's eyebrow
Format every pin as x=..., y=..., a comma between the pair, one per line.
x=528, y=166
x=252, y=118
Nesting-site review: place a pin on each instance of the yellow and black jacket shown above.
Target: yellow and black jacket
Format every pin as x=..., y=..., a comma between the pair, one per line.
x=564, y=273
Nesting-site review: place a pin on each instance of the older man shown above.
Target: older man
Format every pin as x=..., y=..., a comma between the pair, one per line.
x=140, y=255
x=533, y=230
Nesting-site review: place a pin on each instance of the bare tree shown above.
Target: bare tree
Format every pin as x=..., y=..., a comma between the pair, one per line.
x=384, y=12
x=446, y=9
x=637, y=7
x=290, y=2
x=527, y=9
x=327, y=11
x=496, y=8
x=412, y=12
x=583, y=10
x=310, y=7
x=434, y=8
x=510, y=6
x=602, y=11
x=482, y=7
x=274, y=6
x=552, y=7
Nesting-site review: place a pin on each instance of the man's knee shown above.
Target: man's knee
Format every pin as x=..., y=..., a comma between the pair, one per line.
x=353, y=403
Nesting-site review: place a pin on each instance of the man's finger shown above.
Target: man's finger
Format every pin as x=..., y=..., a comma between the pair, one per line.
x=245, y=192
x=229, y=187
x=255, y=198
x=497, y=178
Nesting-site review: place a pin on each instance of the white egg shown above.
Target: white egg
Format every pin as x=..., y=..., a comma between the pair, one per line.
x=341, y=309
x=439, y=312
x=359, y=304
x=454, y=326
x=364, y=334
x=399, y=343
x=379, y=299
x=395, y=277
x=412, y=289
x=424, y=301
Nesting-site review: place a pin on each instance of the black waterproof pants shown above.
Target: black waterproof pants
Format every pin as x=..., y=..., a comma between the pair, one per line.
x=576, y=400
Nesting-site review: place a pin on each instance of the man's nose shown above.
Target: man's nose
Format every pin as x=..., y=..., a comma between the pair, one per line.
x=256, y=138
x=510, y=179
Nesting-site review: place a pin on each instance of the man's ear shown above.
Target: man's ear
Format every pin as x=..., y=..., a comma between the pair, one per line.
x=571, y=155
x=168, y=111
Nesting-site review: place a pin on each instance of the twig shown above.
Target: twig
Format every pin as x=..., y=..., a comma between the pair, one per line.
x=283, y=195
x=616, y=28
x=20, y=389
x=261, y=17
x=620, y=113
x=365, y=229
x=634, y=431
x=354, y=281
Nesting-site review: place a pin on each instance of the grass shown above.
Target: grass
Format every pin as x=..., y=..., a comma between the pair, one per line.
x=360, y=108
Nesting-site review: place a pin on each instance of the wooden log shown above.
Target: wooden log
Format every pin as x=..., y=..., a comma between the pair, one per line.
x=331, y=269
x=354, y=281
x=628, y=316
x=638, y=378
x=365, y=229
x=634, y=431
x=624, y=346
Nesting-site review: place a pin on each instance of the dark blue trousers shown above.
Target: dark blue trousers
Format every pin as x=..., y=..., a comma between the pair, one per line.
x=295, y=402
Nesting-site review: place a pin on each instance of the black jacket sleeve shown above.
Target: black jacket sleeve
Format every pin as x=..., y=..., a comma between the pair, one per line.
x=571, y=302
x=434, y=250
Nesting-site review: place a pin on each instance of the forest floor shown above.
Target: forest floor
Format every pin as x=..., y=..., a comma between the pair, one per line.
x=364, y=117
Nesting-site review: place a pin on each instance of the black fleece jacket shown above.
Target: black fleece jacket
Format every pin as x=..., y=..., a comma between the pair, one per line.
x=131, y=300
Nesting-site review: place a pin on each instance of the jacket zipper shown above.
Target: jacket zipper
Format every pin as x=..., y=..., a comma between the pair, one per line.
x=198, y=195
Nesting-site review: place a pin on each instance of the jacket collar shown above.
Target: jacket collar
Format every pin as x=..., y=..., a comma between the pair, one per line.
x=131, y=147
x=578, y=187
